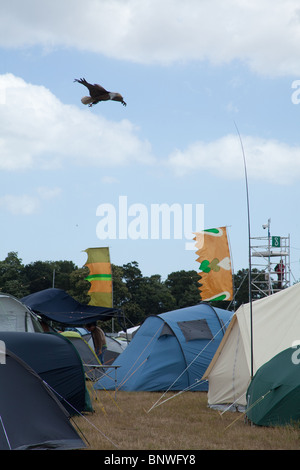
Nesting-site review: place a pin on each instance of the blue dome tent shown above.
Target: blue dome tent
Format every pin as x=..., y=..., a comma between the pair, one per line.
x=170, y=351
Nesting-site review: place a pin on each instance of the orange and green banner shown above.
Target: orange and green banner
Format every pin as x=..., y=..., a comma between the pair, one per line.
x=100, y=277
x=215, y=264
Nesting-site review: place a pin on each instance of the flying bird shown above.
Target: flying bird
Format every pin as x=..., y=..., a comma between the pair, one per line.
x=98, y=93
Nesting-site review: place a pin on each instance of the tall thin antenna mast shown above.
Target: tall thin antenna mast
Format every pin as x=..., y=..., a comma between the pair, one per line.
x=249, y=249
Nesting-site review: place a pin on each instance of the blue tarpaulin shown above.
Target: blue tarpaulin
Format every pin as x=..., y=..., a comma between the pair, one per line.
x=57, y=305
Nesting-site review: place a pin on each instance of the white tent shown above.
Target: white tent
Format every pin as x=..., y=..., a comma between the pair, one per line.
x=276, y=326
x=15, y=316
x=129, y=333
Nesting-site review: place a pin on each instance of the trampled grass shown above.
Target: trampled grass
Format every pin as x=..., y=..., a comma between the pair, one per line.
x=183, y=422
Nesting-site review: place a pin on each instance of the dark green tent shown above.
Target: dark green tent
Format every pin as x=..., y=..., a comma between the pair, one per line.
x=273, y=394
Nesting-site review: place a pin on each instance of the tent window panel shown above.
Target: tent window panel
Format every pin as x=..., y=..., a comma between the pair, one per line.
x=195, y=329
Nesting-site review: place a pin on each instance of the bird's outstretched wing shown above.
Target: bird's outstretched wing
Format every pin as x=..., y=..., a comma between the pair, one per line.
x=98, y=93
x=95, y=90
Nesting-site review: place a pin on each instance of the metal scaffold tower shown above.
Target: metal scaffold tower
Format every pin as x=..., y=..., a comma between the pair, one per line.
x=270, y=260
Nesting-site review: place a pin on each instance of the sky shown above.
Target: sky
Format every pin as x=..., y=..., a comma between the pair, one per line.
x=213, y=108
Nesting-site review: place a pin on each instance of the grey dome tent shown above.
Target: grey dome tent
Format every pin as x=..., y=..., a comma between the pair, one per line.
x=31, y=417
x=114, y=347
x=90, y=361
x=83, y=342
x=15, y=316
x=56, y=361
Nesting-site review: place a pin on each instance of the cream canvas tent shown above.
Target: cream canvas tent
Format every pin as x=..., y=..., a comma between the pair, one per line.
x=276, y=326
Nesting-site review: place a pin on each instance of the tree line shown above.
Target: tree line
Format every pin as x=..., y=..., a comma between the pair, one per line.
x=138, y=296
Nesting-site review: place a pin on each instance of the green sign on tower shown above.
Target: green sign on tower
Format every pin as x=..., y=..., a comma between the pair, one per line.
x=276, y=242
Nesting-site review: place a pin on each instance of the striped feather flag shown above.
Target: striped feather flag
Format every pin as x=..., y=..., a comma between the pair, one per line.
x=100, y=277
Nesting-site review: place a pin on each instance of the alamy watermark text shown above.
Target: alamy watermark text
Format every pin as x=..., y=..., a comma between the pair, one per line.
x=157, y=221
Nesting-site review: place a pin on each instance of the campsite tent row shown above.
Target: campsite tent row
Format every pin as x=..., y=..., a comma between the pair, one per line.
x=52, y=356
x=159, y=358
x=177, y=349
x=49, y=369
x=187, y=339
x=37, y=369
x=32, y=415
x=55, y=305
x=42, y=383
x=275, y=328
x=185, y=344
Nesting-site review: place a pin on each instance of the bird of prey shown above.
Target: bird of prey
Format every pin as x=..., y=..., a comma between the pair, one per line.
x=98, y=93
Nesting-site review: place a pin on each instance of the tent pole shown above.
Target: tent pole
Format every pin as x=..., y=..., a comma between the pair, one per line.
x=249, y=254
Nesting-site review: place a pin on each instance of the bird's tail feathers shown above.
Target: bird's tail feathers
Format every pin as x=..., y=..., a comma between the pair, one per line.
x=86, y=100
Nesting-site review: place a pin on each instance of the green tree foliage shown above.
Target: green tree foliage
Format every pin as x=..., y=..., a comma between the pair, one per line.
x=44, y=274
x=139, y=296
x=184, y=287
x=136, y=295
x=12, y=277
x=78, y=286
x=20, y=280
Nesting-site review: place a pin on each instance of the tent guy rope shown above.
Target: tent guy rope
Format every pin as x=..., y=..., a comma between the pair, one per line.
x=189, y=365
x=82, y=416
x=249, y=408
x=128, y=374
x=5, y=433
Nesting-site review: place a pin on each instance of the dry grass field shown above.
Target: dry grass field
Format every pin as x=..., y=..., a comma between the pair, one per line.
x=183, y=422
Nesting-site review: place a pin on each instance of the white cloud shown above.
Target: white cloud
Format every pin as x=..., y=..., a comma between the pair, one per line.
x=19, y=205
x=48, y=193
x=38, y=131
x=267, y=160
x=109, y=180
x=26, y=204
x=262, y=33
